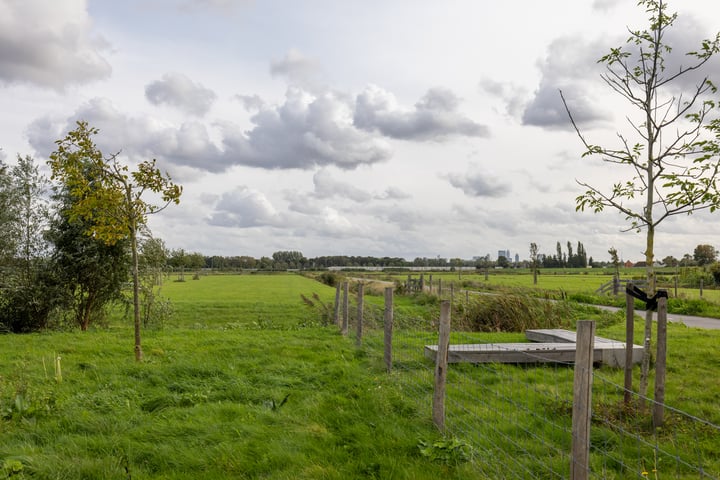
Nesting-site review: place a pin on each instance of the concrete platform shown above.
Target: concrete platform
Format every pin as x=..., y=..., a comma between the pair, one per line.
x=554, y=345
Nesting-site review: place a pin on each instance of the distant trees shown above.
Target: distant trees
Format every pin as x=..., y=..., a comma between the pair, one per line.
x=288, y=259
x=705, y=254
x=570, y=259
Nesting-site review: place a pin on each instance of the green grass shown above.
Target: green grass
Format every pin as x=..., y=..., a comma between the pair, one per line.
x=245, y=383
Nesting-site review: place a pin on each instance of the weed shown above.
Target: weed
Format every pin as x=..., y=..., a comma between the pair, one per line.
x=448, y=451
x=11, y=468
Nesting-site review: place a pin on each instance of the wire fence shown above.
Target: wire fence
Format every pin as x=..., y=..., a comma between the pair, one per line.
x=514, y=420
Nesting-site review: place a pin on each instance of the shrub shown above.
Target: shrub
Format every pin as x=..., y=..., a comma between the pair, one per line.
x=515, y=313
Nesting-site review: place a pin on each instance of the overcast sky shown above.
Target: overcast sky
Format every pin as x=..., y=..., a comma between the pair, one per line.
x=410, y=128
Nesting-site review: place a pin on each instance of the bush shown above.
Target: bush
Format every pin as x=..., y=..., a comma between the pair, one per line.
x=515, y=313
x=328, y=278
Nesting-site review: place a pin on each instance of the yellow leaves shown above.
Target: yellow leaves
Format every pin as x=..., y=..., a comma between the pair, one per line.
x=103, y=195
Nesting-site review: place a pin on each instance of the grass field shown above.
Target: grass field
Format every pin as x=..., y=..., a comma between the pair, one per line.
x=244, y=382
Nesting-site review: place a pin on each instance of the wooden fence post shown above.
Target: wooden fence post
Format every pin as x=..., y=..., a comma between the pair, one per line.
x=346, y=311
x=701, y=287
x=582, y=401
x=439, y=287
x=430, y=282
x=616, y=285
x=441, y=362
x=629, y=344
x=660, y=364
x=388, y=324
x=336, y=314
x=360, y=301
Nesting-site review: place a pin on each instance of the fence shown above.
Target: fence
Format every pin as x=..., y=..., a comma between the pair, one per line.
x=516, y=420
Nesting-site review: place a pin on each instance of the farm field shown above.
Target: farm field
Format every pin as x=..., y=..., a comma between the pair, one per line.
x=246, y=382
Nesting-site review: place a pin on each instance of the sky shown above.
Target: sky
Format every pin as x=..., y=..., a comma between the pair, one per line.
x=401, y=128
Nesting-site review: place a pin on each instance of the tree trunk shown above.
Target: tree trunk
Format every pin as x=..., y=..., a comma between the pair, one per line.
x=647, y=335
x=136, y=290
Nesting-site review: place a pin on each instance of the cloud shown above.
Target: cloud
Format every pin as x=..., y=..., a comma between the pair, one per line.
x=304, y=132
x=50, y=44
x=180, y=92
x=298, y=69
x=244, y=207
x=250, y=102
x=392, y=193
x=475, y=183
x=513, y=97
x=570, y=66
x=328, y=187
x=604, y=5
x=222, y=6
x=434, y=116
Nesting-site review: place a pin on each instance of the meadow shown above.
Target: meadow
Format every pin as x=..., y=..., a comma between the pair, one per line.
x=246, y=380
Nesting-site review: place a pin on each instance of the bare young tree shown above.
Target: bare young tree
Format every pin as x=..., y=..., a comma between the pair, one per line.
x=672, y=156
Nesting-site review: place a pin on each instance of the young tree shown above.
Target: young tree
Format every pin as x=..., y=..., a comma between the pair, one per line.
x=114, y=206
x=673, y=163
x=534, y=261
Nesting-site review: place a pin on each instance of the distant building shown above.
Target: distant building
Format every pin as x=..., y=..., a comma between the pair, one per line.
x=504, y=253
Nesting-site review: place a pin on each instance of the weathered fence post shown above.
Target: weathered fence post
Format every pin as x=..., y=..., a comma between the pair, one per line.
x=407, y=285
x=439, y=287
x=452, y=292
x=430, y=282
x=336, y=314
x=616, y=285
x=676, y=285
x=660, y=364
x=629, y=344
x=467, y=303
x=701, y=287
x=360, y=301
x=346, y=311
x=388, y=324
x=582, y=401
x=441, y=362
x=486, y=274
x=422, y=282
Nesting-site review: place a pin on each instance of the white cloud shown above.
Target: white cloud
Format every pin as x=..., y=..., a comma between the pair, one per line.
x=50, y=44
x=477, y=183
x=434, y=116
x=298, y=69
x=179, y=91
x=244, y=207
